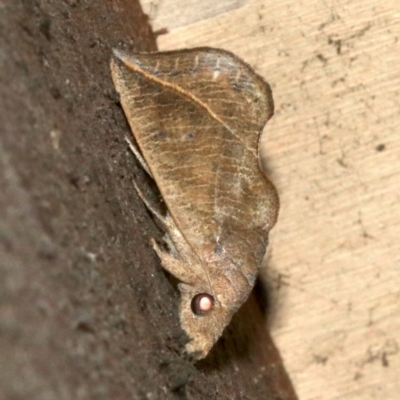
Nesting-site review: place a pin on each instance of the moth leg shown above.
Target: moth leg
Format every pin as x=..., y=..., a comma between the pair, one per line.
x=185, y=263
x=181, y=254
x=177, y=243
x=139, y=157
x=174, y=265
x=148, y=205
x=170, y=262
x=174, y=238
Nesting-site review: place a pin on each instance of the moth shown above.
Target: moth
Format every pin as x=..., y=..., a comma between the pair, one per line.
x=197, y=116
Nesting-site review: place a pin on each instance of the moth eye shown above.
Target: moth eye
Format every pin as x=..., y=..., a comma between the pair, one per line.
x=202, y=303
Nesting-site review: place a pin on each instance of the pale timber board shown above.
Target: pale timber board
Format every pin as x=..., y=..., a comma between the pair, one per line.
x=333, y=151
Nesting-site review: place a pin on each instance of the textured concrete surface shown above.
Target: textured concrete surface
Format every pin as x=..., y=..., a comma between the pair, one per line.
x=86, y=311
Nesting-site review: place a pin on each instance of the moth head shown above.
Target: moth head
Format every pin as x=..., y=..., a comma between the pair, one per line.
x=203, y=317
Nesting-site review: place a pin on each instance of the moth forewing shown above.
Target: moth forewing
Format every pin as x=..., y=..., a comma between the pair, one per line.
x=197, y=116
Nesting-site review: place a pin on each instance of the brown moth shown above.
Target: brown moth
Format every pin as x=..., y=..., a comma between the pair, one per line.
x=197, y=116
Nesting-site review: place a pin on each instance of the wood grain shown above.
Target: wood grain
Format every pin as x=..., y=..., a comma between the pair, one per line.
x=332, y=149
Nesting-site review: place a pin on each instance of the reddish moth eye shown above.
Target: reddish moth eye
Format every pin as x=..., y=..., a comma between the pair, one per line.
x=202, y=303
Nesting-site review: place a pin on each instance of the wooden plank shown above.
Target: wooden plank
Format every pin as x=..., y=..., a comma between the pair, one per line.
x=333, y=150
